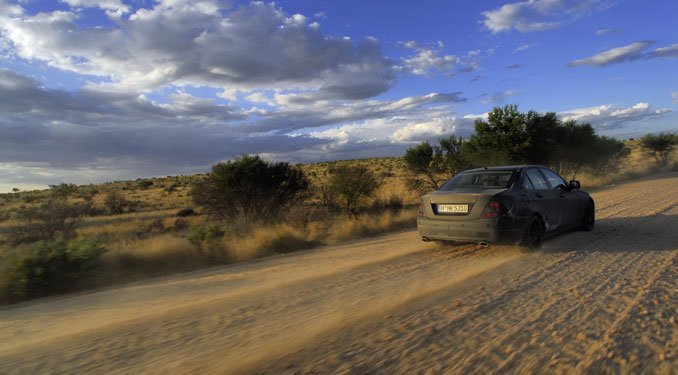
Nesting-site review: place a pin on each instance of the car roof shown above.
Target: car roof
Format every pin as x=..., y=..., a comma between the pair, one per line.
x=502, y=168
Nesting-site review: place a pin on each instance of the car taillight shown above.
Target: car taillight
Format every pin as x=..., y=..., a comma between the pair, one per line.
x=492, y=210
x=421, y=210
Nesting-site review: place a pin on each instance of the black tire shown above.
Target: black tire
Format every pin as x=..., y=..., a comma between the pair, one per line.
x=534, y=234
x=589, y=219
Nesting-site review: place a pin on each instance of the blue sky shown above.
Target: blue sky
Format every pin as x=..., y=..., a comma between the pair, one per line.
x=98, y=90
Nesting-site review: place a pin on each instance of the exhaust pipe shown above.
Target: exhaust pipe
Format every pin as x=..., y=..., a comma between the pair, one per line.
x=483, y=244
x=426, y=239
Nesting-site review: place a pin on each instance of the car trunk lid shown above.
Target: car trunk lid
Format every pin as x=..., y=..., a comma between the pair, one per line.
x=449, y=204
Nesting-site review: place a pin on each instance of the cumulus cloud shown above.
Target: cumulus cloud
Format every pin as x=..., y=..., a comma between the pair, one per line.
x=414, y=132
x=606, y=117
x=630, y=52
x=428, y=58
x=182, y=42
x=535, y=15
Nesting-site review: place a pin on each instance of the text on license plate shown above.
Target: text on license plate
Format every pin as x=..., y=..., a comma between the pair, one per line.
x=453, y=208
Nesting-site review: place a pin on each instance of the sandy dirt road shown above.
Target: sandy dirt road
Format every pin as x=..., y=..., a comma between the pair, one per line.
x=588, y=302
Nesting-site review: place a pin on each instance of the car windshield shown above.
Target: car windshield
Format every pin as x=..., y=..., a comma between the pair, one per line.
x=482, y=179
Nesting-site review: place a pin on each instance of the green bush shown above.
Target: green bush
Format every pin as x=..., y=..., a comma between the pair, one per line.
x=353, y=184
x=207, y=239
x=659, y=146
x=47, y=267
x=250, y=188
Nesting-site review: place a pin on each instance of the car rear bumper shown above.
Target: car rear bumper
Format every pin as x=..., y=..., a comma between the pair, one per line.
x=482, y=230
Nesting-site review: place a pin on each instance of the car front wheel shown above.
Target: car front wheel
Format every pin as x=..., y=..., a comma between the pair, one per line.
x=589, y=220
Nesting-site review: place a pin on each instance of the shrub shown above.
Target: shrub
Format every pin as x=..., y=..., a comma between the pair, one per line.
x=144, y=184
x=48, y=266
x=115, y=202
x=186, y=212
x=63, y=190
x=394, y=204
x=180, y=224
x=156, y=225
x=659, y=146
x=250, y=188
x=354, y=184
x=57, y=216
x=207, y=239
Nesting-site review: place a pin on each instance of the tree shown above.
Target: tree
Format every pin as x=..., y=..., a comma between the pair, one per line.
x=63, y=190
x=354, y=184
x=502, y=139
x=421, y=160
x=115, y=202
x=545, y=140
x=509, y=136
x=452, y=153
x=15, y=190
x=57, y=216
x=659, y=146
x=250, y=188
x=606, y=154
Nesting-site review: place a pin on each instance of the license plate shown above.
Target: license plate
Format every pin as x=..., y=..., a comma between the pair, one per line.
x=453, y=208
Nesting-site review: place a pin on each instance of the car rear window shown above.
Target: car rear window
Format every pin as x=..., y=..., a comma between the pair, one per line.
x=481, y=179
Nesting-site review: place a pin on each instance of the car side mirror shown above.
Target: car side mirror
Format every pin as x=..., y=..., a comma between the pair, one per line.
x=574, y=184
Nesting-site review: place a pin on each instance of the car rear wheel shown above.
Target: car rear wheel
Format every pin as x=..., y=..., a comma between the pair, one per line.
x=534, y=234
x=589, y=220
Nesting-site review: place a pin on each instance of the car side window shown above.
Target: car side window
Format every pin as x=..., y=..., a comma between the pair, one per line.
x=526, y=183
x=553, y=179
x=537, y=179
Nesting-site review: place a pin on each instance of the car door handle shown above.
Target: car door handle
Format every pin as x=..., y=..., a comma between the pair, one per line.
x=561, y=195
x=538, y=195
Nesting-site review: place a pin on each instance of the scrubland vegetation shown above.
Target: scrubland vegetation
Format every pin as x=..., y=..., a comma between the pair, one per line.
x=70, y=237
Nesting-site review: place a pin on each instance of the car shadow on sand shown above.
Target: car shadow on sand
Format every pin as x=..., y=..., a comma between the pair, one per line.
x=619, y=235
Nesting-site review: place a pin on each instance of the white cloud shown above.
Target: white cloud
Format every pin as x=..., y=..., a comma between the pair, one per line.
x=114, y=8
x=674, y=96
x=426, y=60
x=608, y=116
x=253, y=46
x=535, y=15
x=259, y=98
x=670, y=51
x=414, y=132
x=602, y=32
x=429, y=58
x=473, y=116
x=524, y=47
x=229, y=93
x=631, y=52
x=615, y=55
